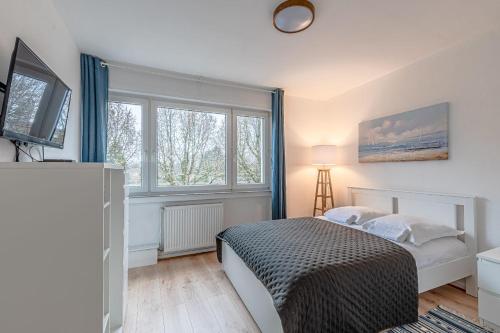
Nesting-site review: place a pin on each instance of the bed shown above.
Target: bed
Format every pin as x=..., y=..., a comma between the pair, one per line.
x=439, y=263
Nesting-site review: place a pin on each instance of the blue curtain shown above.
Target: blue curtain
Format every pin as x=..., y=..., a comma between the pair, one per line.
x=278, y=183
x=94, y=108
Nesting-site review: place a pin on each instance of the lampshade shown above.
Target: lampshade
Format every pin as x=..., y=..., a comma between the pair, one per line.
x=324, y=155
x=293, y=16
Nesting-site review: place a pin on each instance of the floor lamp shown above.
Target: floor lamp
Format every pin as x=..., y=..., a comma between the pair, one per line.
x=324, y=158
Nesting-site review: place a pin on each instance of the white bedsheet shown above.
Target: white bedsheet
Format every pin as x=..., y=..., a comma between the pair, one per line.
x=432, y=253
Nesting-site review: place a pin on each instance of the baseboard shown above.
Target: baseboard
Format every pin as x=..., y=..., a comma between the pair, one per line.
x=164, y=255
x=143, y=257
x=139, y=257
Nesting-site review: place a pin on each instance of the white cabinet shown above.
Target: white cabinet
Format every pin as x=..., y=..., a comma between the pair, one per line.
x=62, y=247
x=488, y=265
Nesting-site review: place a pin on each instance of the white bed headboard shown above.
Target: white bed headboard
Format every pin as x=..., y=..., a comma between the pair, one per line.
x=456, y=211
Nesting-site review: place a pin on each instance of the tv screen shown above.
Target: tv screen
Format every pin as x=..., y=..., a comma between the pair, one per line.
x=36, y=102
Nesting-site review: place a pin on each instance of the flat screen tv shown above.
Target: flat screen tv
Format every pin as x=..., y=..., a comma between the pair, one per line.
x=36, y=102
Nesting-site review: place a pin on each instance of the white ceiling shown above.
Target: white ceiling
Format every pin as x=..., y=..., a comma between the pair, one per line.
x=351, y=41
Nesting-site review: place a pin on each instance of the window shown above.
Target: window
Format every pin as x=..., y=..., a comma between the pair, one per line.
x=125, y=138
x=172, y=147
x=190, y=147
x=249, y=149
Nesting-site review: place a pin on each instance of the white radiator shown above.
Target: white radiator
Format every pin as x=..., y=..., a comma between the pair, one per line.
x=191, y=228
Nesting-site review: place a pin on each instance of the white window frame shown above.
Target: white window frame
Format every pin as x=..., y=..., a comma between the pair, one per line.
x=149, y=153
x=266, y=146
x=144, y=103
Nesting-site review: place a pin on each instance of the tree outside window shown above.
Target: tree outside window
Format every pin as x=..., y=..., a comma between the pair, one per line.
x=125, y=139
x=191, y=147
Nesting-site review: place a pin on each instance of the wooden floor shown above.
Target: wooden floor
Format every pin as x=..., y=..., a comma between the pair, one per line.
x=192, y=294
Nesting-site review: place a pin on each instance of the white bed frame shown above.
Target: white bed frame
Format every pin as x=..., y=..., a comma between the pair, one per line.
x=457, y=211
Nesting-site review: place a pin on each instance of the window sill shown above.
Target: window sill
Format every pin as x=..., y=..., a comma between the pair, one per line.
x=191, y=196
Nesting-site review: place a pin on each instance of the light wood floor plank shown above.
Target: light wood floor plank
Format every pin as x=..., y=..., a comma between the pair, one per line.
x=192, y=294
x=175, y=314
x=130, y=324
x=230, y=316
x=177, y=319
x=150, y=312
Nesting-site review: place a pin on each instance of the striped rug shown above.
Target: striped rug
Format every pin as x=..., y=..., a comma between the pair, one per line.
x=440, y=320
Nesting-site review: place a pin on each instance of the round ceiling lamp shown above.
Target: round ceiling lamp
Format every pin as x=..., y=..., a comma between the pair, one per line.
x=293, y=16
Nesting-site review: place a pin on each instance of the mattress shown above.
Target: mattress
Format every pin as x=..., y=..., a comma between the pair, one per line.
x=435, y=252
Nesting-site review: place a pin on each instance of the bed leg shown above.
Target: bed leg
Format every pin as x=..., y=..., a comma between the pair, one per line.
x=471, y=285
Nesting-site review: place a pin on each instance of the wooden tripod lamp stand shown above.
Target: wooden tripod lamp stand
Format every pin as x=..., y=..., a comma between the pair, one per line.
x=324, y=157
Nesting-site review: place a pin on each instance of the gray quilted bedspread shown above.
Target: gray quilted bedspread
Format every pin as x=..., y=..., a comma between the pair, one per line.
x=324, y=277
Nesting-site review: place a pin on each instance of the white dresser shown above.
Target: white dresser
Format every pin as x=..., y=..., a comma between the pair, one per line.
x=488, y=265
x=62, y=248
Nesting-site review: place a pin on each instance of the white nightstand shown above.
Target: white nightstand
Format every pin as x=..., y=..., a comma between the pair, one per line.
x=488, y=266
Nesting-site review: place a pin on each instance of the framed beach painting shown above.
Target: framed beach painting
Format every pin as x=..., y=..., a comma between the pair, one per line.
x=417, y=135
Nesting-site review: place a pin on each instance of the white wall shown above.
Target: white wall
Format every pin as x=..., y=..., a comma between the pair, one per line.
x=467, y=76
x=304, y=127
x=39, y=25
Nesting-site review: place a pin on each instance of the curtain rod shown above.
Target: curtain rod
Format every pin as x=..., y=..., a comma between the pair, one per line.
x=199, y=79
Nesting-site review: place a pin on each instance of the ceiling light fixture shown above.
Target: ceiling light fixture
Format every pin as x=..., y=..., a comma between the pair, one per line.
x=293, y=16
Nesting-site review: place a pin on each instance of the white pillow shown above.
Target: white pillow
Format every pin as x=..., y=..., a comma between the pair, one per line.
x=423, y=232
x=418, y=230
x=390, y=227
x=353, y=214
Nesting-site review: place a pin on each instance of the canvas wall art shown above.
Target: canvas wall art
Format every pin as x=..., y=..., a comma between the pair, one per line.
x=417, y=135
